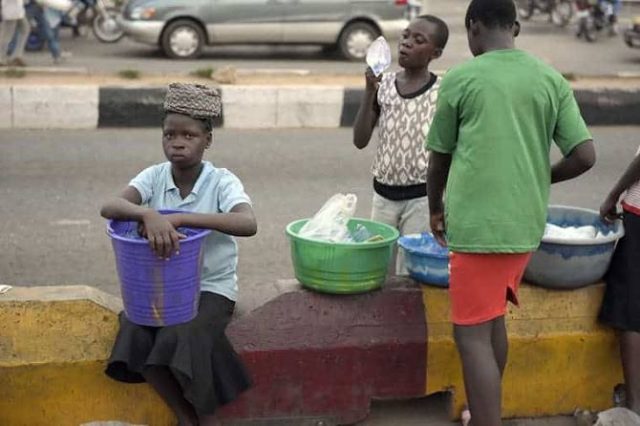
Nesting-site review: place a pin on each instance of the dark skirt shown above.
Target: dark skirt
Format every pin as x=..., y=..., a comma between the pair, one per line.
x=198, y=354
x=621, y=304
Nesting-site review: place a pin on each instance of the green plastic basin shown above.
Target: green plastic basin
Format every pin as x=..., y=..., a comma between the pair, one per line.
x=342, y=268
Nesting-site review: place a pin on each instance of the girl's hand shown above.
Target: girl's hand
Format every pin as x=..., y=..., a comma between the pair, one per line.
x=161, y=233
x=608, y=212
x=372, y=81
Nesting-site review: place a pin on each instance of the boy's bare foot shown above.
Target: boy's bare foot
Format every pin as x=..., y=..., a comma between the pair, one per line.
x=619, y=395
x=585, y=417
x=465, y=416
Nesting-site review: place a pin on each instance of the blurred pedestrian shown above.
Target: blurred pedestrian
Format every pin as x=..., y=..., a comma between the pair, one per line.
x=13, y=18
x=47, y=32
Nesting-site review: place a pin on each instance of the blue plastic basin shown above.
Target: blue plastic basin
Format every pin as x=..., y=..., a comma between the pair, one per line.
x=426, y=261
x=567, y=264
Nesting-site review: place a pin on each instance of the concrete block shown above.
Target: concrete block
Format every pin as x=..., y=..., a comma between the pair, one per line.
x=6, y=107
x=59, y=107
x=250, y=107
x=131, y=107
x=601, y=106
x=351, y=104
x=309, y=106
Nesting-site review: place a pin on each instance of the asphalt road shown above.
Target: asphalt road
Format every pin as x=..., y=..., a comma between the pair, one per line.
x=558, y=46
x=53, y=182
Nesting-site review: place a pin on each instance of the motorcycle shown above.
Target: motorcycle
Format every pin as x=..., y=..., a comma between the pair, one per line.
x=560, y=11
x=594, y=16
x=102, y=18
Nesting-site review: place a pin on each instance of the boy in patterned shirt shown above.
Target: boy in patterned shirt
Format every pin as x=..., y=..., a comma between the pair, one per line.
x=402, y=105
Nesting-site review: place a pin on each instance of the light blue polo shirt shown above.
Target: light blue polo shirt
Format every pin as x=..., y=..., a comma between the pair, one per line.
x=215, y=191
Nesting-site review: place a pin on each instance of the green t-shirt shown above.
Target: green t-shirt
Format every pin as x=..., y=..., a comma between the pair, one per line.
x=497, y=115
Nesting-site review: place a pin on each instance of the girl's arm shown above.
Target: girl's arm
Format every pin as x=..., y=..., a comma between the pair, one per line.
x=125, y=207
x=240, y=221
x=158, y=229
x=630, y=176
x=368, y=112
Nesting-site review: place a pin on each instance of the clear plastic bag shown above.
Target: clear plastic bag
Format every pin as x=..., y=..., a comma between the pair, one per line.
x=330, y=222
x=379, y=56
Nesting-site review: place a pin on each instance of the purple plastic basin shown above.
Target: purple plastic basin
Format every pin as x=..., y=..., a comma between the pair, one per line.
x=157, y=292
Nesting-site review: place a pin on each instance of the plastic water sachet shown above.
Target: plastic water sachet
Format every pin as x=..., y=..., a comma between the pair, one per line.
x=379, y=56
x=330, y=222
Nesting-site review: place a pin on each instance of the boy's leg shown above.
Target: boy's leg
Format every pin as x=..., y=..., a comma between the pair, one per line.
x=166, y=385
x=414, y=219
x=630, y=351
x=479, y=287
x=500, y=343
x=22, y=34
x=387, y=212
x=481, y=371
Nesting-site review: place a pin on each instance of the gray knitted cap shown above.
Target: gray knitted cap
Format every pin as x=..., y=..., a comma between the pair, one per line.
x=195, y=100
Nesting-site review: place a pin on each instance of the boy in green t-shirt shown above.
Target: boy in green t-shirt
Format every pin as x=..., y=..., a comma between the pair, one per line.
x=496, y=117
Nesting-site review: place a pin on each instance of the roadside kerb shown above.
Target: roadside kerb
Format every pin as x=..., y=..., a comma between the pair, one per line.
x=599, y=106
x=244, y=107
x=62, y=107
x=610, y=106
x=133, y=107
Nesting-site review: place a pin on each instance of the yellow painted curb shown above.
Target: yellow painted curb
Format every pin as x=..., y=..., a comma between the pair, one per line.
x=53, y=345
x=560, y=358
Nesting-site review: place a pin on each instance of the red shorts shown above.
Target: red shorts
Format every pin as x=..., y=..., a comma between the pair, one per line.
x=481, y=284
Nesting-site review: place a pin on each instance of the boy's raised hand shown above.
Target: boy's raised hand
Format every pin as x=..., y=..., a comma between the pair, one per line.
x=163, y=237
x=372, y=81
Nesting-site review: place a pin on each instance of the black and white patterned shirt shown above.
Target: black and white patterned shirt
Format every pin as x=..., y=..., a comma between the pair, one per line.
x=401, y=159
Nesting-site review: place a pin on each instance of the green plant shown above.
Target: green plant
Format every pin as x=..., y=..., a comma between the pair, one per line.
x=129, y=74
x=203, y=72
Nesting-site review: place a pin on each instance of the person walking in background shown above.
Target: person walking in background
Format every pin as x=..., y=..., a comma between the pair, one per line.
x=14, y=22
x=38, y=13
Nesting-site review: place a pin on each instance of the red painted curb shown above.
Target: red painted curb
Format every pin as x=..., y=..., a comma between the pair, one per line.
x=314, y=355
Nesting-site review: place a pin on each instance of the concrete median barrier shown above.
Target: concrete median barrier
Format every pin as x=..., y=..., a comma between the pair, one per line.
x=55, y=107
x=244, y=106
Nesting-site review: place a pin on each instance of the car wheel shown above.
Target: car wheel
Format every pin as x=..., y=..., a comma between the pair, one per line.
x=183, y=39
x=355, y=40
